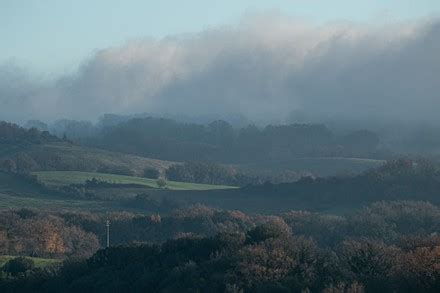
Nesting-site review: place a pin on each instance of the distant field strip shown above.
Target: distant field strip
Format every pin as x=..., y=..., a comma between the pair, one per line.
x=61, y=178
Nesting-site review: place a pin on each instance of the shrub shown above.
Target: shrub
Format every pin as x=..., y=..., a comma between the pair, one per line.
x=18, y=265
x=118, y=170
x=276, y=228
x=161, y=183
x=151, y=173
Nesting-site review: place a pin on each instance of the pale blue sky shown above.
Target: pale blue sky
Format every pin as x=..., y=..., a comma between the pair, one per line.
x=54, y=36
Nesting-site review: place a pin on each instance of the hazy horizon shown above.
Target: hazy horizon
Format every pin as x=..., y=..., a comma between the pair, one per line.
x=268, y=66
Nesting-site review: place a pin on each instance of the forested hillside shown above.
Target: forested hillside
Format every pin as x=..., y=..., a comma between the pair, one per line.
x=384, y=247
x=27, y=150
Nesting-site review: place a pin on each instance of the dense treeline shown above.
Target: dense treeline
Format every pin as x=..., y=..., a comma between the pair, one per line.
x=211, y=173
x=14, y=137
x=208, y=173
x=13, y=134
x=388, y=246
x=219, y=141
x=401, y=179
x=19, y=163
x=416, y=139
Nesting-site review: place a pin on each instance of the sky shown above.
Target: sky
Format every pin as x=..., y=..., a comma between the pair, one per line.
x=269, y=61
x=51, y=37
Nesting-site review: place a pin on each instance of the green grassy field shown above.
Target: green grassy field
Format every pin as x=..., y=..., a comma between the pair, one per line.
x=318, y=166
x=60, y=178
x=17, y=193
x=39, y=262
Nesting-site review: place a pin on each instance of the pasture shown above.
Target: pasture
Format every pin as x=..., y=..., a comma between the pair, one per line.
x=62, y=178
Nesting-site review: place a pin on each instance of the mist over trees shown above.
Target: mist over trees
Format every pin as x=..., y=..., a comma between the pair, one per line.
x=354, y=137
x=219, y=141
x=13, y=134
x=275, y=154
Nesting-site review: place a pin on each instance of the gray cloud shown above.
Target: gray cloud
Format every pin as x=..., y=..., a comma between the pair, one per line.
x=264, y=68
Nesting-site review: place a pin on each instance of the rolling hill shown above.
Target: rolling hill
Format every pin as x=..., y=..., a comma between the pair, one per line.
x=60, y=178
x=18, y=191
x=69, y=157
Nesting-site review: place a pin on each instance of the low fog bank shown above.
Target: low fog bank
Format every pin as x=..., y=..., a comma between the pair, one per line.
x=268, y=69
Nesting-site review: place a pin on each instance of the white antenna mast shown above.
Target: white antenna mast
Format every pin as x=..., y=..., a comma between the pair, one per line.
x=107, y=224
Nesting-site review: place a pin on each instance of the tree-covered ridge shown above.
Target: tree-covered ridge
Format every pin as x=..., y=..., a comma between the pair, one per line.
x=219, y=141
x=11, y=133
x=246, y=150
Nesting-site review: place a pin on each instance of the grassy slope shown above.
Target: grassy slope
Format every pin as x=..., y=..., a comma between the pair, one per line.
x=231, y=199
x=8, y=201
x=65, y=156
x=59, y=178
x=16, y=192
x=39, y=262
x=318, y=166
